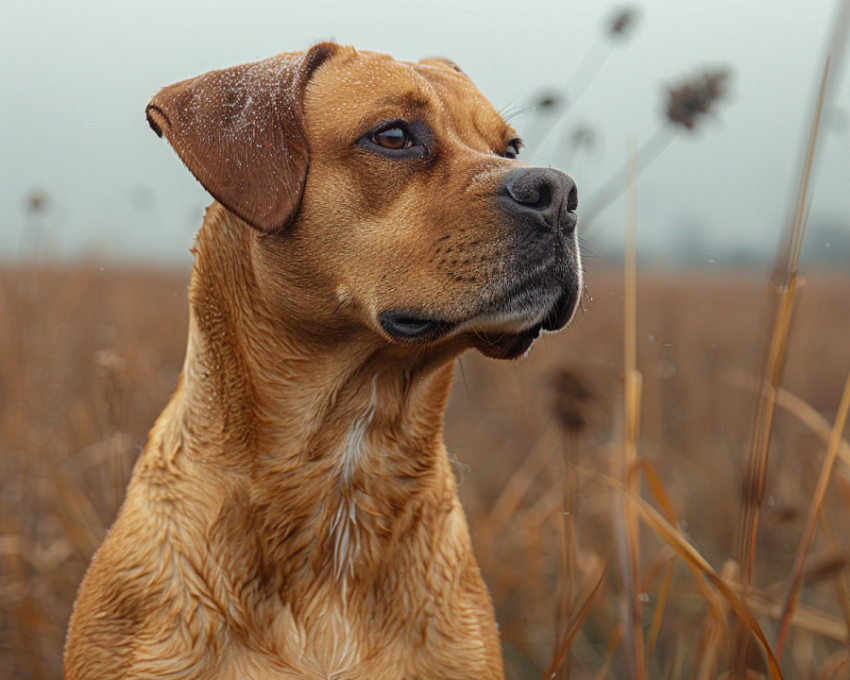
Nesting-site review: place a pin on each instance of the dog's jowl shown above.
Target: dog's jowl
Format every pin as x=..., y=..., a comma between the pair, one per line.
x=294, y=514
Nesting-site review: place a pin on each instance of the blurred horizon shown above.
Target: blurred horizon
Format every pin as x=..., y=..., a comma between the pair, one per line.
x=81, y=175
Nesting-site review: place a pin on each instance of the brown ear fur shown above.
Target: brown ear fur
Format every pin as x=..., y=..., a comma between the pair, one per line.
x=240, y=131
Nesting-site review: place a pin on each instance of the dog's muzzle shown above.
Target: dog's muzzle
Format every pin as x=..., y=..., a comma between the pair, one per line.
x=539, y=288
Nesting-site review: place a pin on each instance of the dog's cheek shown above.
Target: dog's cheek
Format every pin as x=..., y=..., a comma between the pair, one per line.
x=472, y=243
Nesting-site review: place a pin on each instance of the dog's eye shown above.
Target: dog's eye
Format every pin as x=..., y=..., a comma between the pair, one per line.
x=398, y=139
x=512, y=149
x=395, y=137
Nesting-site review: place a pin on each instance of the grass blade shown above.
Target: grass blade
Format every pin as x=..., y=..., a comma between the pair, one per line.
x=673, y=537
x=804, y=412
x=659, y=613
x=609, y=652
x=814, y=511
x=567, y=642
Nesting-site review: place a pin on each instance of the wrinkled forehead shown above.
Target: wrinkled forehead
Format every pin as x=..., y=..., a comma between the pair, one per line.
x=358, y=86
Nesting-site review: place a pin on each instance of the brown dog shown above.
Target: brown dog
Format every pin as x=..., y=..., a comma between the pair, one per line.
x=294, y=514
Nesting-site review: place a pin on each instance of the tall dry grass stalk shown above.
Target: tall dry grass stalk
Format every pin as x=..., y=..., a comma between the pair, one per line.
x=630, y=535
x=787, y=282
x=835, y=441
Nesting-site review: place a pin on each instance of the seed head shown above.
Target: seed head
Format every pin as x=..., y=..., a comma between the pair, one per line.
x=574, y=400
x=622, y=22
x=583, y=136
x=37, y=202
x=549, y=101
x=692, y=98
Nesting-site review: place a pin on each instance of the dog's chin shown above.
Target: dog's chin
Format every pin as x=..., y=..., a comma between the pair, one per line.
x=509, y=345
x=505, y=345
x=406, y=328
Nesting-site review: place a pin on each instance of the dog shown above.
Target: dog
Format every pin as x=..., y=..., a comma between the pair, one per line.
x=294, y=513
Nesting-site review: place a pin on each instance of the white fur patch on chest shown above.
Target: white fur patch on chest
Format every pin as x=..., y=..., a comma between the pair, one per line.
x=344, y=532
x=353, y=452
x=345, y=536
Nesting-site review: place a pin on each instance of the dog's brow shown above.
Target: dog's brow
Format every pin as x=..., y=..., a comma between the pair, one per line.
x=410, y=101
x=407, y=106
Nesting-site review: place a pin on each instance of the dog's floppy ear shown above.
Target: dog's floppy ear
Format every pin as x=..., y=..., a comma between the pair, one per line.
x=240, y=131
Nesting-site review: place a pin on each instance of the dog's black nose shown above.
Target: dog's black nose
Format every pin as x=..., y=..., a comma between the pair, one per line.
x=543, y=196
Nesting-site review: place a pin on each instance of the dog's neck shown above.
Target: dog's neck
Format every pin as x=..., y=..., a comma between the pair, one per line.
x=340, y=443
x=251, y=364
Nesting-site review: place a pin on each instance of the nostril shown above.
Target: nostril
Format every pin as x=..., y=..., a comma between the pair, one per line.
x=532, y=194
x=544, y=198
x=572, y=199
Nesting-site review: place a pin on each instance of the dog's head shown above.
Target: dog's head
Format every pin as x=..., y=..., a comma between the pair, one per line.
x=388, y=189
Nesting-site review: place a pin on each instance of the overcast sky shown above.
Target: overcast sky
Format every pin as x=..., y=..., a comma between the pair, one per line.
x=76, y=76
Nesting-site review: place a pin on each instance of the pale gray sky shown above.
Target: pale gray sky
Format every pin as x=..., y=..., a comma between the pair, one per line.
x=76, y=76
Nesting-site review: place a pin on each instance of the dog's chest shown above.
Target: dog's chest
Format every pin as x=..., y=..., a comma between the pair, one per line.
x=390, y=660
x=333, y=645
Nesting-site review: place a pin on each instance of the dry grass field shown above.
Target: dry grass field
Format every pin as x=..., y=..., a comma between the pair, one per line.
x=88, y=358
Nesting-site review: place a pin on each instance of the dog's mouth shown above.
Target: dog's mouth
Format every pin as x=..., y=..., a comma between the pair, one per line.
x=410, y=328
